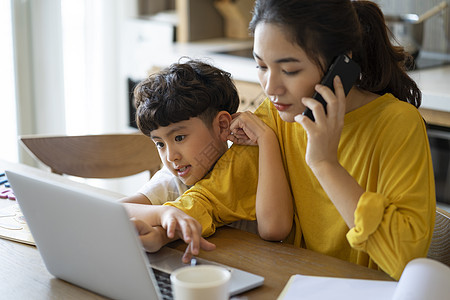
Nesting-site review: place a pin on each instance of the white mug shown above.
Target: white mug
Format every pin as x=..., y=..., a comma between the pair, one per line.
x=205, y=282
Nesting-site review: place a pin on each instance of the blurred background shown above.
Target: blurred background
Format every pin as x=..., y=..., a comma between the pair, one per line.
x=69, y=66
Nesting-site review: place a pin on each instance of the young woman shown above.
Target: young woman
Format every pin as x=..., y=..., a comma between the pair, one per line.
x=361, y=175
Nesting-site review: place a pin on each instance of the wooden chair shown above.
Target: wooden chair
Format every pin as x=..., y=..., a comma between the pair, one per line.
x=440, y=242
x=95, y=156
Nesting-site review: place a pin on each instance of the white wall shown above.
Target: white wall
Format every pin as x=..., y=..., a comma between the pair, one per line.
x=39, y=68
x=8, y=150
x=68, y=75
x=67, y=64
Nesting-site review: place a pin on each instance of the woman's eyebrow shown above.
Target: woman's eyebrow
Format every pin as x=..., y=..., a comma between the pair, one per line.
x=281, y=60
x=287, y=59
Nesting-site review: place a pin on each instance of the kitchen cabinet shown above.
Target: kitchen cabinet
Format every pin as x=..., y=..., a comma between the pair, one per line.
x=198, y=20
x=207, y=19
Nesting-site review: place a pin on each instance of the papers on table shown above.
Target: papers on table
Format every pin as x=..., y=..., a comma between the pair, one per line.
x=422, y=278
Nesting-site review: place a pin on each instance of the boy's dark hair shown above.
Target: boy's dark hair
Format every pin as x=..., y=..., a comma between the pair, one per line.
x=183, y=91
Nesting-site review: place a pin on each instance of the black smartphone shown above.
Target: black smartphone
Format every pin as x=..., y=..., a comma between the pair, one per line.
x=347, y=70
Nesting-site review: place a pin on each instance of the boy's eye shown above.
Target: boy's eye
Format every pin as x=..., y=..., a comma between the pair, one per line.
x=179, y=138
x=159, y=145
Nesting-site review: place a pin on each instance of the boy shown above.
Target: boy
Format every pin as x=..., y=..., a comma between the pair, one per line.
x=186, y=110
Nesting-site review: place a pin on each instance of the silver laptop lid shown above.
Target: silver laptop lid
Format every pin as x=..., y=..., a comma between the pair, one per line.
x=85, y=238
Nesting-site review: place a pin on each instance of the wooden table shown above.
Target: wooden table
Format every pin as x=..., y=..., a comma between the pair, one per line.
x=24, y=276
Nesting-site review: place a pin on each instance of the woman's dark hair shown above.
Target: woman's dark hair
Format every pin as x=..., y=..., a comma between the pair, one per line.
x=327, y=28
x=183, y=91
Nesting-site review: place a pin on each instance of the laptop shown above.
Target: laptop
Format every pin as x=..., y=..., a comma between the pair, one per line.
x=86, y=238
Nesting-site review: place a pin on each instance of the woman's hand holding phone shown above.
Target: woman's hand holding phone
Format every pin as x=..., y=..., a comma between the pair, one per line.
x=323, y=118
x=325, y=132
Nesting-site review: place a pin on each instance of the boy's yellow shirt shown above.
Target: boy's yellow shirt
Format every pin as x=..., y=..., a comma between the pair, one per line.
x=383, y=145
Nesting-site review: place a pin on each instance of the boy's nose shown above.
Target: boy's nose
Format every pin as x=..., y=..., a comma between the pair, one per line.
x=173, y=154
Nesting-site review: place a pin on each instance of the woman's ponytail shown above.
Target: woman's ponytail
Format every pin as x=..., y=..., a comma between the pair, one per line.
x=382, y=64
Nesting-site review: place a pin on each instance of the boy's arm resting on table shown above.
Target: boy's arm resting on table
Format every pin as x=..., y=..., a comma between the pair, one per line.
x=158, y=225
x=274, y=203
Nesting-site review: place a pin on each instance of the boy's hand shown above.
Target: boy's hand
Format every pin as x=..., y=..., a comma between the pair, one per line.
x=204, y=244
x=247, y=129
x=151, y=237
x=179, y=224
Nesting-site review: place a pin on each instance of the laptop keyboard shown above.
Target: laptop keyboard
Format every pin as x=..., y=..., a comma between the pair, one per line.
x=163, y=280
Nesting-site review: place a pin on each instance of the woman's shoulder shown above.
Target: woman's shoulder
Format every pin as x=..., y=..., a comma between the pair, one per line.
x=386, y=109
x=394, y=110
x=385, y=114
x=396, y=120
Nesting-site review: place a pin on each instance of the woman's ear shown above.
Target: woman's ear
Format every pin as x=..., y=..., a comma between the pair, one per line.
x=223, y=120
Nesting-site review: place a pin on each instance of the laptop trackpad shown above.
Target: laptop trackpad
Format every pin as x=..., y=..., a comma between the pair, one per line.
x=166, y=259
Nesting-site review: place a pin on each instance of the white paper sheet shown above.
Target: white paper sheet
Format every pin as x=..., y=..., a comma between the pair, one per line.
x=422, y=279
x=316, y=287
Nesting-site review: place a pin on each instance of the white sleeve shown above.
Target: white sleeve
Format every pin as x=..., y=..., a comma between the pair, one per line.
x=163, y=187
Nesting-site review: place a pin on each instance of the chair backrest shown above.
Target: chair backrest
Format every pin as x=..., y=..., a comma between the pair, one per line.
x=95, y=156
x=440, y=243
